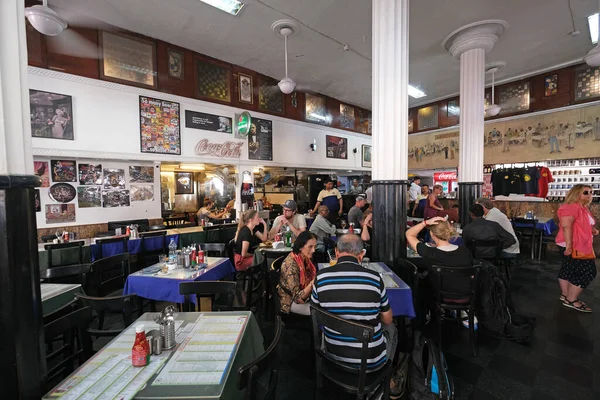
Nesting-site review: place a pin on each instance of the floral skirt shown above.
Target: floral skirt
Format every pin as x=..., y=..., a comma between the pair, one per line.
x=577, y=272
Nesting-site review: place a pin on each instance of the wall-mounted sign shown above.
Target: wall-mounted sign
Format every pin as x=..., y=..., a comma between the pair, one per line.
x=227, y=149
x=260, y=141
x=445, y=176
x=242, y=125
x=209, y=122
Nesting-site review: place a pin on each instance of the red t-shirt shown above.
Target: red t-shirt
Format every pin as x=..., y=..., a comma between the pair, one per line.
x=543, y=180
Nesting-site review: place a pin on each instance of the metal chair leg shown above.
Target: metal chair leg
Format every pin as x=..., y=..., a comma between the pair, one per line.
x=472, y=332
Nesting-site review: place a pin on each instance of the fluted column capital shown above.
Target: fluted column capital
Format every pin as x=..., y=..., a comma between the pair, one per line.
x=478, y=35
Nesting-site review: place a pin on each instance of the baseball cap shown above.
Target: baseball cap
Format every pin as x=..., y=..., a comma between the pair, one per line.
x=291, y=204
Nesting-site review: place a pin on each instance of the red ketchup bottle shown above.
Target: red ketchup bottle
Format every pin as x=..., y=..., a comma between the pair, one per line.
x=140, y=352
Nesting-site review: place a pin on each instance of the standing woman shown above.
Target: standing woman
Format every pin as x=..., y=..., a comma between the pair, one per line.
x=575, y=235
x=433, y=205
x=246, y=239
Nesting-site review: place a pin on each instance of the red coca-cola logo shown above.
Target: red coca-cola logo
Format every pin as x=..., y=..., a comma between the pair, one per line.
x=227, y=149
x=445, y=176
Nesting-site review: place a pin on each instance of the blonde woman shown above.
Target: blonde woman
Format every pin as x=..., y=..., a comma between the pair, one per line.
x=575, y=235
x=247, y=237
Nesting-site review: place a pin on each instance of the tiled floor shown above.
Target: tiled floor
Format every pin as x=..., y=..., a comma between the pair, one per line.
x=561, y=362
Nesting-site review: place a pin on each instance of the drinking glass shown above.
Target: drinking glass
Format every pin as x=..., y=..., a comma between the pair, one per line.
x=365, y=262
x=332, y=257
x=343, y=224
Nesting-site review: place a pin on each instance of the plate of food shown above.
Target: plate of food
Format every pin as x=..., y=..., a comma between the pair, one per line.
x=266, y=244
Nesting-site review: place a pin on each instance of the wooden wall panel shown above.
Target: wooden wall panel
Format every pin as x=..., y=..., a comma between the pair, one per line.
x=446, y=120
x=333, y=109
x=562, y=98
x=82, y=46
x=36, y=47
x=169, y=84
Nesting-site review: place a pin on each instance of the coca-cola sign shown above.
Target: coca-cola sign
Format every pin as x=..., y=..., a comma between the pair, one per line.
x=228, y=149
x=445, y=176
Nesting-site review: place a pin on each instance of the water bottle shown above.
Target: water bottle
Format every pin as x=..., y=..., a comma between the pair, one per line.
x=173, y=251
x=288, y=238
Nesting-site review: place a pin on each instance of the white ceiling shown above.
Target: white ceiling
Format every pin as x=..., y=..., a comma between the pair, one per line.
x=538, y=37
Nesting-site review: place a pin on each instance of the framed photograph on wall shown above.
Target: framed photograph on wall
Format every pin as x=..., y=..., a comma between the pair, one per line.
x=184, y=183
x=51, y=115
x=366, y=156
x=316, y=110
x=176, y=63
x=336, y=147
x=159, y=126
x=128, y=59
x=245, y=89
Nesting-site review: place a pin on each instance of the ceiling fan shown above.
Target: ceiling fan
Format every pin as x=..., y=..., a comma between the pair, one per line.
x=493, y=109
x=287, y=29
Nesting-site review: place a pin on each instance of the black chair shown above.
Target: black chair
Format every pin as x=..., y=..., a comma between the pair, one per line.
x=527, y=232
x=150, y=256
x=228, y=232
x=249, y=374
x=211, y=248
x=108, y=275
x=70, y=252
x=231, y=251
x=348, y=378
x=490, y=250
x=141, y=223
x=544, y=241
x=213, y=234
x=457, y=301
x=172, y=222
x=105, y=306
x=124, y=241
x=68, y=274
x=48, y=238
x=186, y=225
x=221, y=293
x=74, y=345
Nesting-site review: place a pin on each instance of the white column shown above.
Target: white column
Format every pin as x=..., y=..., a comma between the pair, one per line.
x=390, y=89
x=15, y=129
x=470, y=43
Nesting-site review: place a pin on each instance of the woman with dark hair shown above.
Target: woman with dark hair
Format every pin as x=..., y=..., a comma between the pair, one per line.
x=297, y=275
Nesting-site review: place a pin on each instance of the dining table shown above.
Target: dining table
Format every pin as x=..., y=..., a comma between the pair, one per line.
x=151, y=283
x=57, y=295
x=211, y=347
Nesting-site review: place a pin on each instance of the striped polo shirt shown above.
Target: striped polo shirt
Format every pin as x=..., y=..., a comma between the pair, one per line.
x=354, y=293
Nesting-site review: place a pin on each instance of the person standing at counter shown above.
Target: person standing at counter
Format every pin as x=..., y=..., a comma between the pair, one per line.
x=355, y=215
x=414, y=192
x=246, y=239
x=296, y=222
x=575, y=235
x=331, y=198
x=433, y=205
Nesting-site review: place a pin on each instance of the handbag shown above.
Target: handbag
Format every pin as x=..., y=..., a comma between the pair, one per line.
x=580, y=255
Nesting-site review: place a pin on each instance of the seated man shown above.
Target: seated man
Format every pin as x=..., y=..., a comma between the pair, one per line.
x=482, y=229
x=357, y=294
x=491, y=213
x=355, y=215
x=296, y=222
x=322, y=227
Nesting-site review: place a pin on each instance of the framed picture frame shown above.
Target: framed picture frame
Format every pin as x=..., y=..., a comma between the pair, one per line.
x=212, y=80
x=346, y=116
x=51, y=115
x=550, y=85
x=366, y=156
x=245, y=89
x=184, y=183
x=453, y=108
x=160, y=126
x=586, y=83
x=127, y=59
x=336, y=147
x=176, y=60
x=315, y=109
x=270, y=98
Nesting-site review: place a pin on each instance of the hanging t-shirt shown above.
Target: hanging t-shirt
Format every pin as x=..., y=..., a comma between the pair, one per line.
x=501, y=179
x=516, y=180
x=545, y=177
x=529, y=180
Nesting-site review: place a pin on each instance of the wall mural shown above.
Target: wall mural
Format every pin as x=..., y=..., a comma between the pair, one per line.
x=554, y=136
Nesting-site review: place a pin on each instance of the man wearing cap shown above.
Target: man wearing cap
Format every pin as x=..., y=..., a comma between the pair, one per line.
x=296, y=222
x=331, y=198
x=355, y=215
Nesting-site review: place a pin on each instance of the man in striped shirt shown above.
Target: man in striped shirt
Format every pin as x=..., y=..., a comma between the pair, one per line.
x=357, y=294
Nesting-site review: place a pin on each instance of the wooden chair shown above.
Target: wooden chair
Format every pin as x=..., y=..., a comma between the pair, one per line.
x=212, y=248
x=124, y=241
x=108, y=275
x=348, y=378
x=73, y=345
x=249, y=374
x=148, y=255
x=68, y=274
x=457, y=301
x=70, y=252
x=221, y=293
x=103, y=306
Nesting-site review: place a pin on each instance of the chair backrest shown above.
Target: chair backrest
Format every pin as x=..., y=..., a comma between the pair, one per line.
x=162, y=248
x=231, y=251
x=75, y=250
x=213, y=248
x=213, y=234
x=108, y=275
x=48, y=238
x=440, y=274
x=249, y=374
x=141, y=223
x=228, y=233
x=524, y=225
x=117, y=305
x=123, y=248
x=74, y=344
x=363, y=334
x=276, y=265
x=221, y=291
x=68, y=274
x=478, y=248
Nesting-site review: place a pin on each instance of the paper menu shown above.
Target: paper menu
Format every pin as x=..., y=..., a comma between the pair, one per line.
x=389, y=282
x=206, y=353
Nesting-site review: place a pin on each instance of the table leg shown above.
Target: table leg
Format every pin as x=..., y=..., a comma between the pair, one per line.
x=205, y=304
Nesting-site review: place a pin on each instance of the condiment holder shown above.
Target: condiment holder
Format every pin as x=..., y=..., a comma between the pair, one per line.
x=166, y=323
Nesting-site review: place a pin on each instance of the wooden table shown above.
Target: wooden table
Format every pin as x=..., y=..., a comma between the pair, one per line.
x=57, y=295
x=210, y=349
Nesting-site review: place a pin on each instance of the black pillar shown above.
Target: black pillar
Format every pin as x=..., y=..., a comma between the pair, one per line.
x=389, y=222
x=468, y=192
x=22, y=365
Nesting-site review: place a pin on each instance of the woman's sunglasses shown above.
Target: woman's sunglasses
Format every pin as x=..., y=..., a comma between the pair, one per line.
x=586, y=192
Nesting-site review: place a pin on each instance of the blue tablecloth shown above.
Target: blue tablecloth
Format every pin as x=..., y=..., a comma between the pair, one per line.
x=400, y=298
x=546, y=227
x=134, y=246
x=149, y=285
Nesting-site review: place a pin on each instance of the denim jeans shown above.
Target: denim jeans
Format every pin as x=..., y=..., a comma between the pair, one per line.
x=553, y=140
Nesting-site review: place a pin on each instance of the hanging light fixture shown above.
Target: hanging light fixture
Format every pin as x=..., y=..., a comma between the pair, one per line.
x=593, y=57
x=493, y=109
x=286, y=28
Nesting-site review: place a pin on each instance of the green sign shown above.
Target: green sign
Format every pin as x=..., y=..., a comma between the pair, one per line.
x=244, y=121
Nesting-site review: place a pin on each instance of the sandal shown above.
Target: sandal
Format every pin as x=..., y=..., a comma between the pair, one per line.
x=562, y=298
x=581, y=308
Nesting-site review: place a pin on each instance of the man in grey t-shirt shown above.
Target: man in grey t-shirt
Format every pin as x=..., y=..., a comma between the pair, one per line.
x=322, y=227
x=355, y=215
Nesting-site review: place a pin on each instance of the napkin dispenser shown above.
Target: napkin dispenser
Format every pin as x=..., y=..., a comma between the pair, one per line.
x=278, y=245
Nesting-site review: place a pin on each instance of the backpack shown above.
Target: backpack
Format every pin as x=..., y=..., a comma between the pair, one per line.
x=495, y=309
x=428, y=377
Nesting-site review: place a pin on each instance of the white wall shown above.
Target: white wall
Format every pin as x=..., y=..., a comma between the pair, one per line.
x=106, y=126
